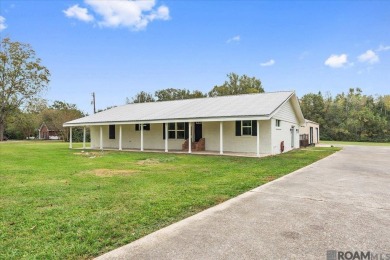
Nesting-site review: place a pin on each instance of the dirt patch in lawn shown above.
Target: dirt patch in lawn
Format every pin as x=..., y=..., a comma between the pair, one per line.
x=153, y=161
x=89, y=154
x=268, y=178
x=149, y=161
x=111, y=172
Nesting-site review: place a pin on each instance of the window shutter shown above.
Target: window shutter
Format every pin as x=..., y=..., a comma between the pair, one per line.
x=254, y=128
x=111, y=131
x=186, y=134
x=164, y=131
x=137, y=127
x=238, y=128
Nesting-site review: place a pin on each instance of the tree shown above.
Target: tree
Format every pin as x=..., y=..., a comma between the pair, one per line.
x=22, y=77
x=59, y=113
x=313, y=107
x=177, y=94
x=141, y=97
x=237, y=85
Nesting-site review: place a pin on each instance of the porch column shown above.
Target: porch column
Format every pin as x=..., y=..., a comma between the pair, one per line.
x=120, y=138
x=220, y=137
x=142, y=137
x=258, y=138
x=189, y=138
x=166, y=137
x=84, y=134
x=70, y=137
x=39, y=134
x=101, y=138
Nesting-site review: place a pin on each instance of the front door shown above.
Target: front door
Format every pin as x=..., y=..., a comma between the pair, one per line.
x=198, y=131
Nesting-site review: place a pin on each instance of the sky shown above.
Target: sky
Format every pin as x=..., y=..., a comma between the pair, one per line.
x=119, y=48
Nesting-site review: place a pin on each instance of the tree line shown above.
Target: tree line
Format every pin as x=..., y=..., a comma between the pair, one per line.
x=234, y=85
x=24, y=123
x=350, y=116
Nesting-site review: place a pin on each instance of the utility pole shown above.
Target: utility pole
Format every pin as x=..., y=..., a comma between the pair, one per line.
x=93, y=102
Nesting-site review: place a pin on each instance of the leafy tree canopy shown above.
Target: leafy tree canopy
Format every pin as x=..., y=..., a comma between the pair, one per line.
x=236, y=85
x=176, y=94
x=141, y=97
x=22, y=78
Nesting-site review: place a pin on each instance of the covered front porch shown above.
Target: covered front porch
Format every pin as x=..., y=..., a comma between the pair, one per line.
x=239, y=138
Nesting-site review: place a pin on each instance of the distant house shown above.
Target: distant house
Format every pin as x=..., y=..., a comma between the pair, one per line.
x=265, y=123
x=309, y=133
x=48, y=131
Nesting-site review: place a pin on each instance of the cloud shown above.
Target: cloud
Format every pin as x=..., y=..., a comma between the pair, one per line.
x=268, y=63
x=78, y=13
x=336, y=61
x=135, y=15
x=383, y=48
x=369, y=57
x=236, y=38
x=2, y=23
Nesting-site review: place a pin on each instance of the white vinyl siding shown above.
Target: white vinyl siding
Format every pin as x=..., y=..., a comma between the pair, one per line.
x=286, y=113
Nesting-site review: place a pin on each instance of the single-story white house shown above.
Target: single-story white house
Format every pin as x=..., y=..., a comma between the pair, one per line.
x=265, y=123
x=310, y=131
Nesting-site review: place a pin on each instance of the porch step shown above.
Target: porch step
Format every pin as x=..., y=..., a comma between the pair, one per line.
x=195, y=146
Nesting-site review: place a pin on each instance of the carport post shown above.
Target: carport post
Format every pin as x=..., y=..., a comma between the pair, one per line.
x=142, y=137
x=120, y=138
x=220, y=137
x=70, y=137
x=166, y=137
x=84, y=134
x=189, y=138
x=258, y=138
x=101, y=138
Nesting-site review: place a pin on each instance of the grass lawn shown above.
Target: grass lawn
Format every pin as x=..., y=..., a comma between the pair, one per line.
x=61, y=203
x=355, y=143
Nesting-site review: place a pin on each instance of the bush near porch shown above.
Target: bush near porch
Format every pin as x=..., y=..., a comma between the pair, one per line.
x=61, y=203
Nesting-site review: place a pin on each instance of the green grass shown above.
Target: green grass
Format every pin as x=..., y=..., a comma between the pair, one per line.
x=354, y=143
x=61, y=203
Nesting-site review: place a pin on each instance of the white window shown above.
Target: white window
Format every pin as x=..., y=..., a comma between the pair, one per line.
x=278, y=123
x=176, y=130
x=246, y=127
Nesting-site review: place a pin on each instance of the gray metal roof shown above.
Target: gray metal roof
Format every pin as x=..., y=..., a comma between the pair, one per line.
x=255, y=105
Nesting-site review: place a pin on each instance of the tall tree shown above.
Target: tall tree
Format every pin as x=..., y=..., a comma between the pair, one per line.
x=237, y=85
x=141, y=97
x=313, y=107
x=177, y=94
x=22, y=77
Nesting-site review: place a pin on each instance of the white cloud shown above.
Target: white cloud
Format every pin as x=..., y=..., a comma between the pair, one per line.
x=337, y=61
x=268, y=63
x=369, y=57
x=135, y=15
x=236, y=38
x=383, y=48
x=78, y=13
x=2, y=23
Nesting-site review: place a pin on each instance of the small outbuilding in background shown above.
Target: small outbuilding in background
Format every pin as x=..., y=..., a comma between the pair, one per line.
x=47, y=131
x=309, y=133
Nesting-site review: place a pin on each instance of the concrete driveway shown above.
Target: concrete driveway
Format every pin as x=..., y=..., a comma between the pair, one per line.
x=340, y=203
